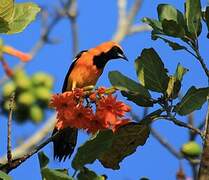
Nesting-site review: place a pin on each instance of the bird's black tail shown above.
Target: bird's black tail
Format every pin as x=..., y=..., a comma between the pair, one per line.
x=64, y=143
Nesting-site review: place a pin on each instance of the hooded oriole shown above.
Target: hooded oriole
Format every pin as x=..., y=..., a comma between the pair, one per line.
x=84, y=71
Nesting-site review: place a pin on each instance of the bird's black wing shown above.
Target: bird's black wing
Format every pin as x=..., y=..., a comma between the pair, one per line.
x=64, y=87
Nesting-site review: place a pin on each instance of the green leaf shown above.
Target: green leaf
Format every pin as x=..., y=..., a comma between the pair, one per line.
x=175, y=46
x=125, y=142
x=51, y=174
x=24, y=14
x=193, y=17
x=6, y=9
x=155, y=24
x=180, y=71
x=174, y=86
x=193, y=100
x=206, y=18
x=43, y=159
x=132, y=90
x=168, y=12
x=4, y=26
x=87, y=174
x=92, y=149
x=151, y=72
x=4, y=176
x=111, y=148
x=171, y=28
x=124, y=83
x=137, y=98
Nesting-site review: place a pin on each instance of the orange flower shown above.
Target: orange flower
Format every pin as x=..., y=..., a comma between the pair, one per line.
x=78, y=93
x=109, y=103
x=62, y=102
x=72, y=113
x=14, y=52
x=106, y=118
x=94, y=126
x=93, y=97
x=110, y=111
x=79, y=117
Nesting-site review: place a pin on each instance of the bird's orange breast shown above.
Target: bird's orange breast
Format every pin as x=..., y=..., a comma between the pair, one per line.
x=85, y=73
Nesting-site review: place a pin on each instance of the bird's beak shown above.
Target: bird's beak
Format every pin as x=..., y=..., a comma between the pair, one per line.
x=122, y=56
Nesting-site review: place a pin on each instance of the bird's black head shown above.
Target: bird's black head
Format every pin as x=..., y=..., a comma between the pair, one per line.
x=115, y=52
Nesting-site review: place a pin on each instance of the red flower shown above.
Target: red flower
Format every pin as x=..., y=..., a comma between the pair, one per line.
x=93, y=97
x=94, y=126
x=109, y=103
x=78, y=93
x=63, y=102
x=72, y=113
x=110, y=111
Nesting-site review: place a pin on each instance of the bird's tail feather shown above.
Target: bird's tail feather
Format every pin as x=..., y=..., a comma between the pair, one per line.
x=64, y=143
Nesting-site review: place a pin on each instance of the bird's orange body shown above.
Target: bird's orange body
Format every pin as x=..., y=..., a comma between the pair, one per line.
x=84, y=71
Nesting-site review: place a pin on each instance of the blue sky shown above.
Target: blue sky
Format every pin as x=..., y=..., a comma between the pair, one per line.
x=97, y=22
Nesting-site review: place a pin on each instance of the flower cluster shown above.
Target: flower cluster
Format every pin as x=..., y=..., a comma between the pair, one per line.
x=91, y=111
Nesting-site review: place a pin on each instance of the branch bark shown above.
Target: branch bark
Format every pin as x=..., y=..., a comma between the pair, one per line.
x=204, y=164
x=9, y=126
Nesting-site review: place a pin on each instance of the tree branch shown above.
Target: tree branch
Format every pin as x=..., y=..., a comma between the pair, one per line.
x=32, y=141
x=9, y=126
x=17, y=162
x=125, y=21
x=165, y=143
x=72, y=15
x=183, y=124
x=139, y=28
x=204, y=164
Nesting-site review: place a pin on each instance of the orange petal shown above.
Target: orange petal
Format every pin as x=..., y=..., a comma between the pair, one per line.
x=19, y=54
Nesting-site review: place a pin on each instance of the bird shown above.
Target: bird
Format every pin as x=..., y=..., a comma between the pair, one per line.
x=84, y=71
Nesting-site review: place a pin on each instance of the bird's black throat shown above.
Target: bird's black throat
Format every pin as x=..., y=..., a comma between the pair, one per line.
x=100, y=61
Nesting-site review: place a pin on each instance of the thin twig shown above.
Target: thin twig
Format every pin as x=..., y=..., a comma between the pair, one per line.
x=200, y=59
x=204, y=164
x=192, y=134
x=17, y=162
x=165, y=143
x=9, y=125
x=72, y=15
x=125, y=21
x=134, y=10
x=32, y=141
x=139, y=28
x=183, y=124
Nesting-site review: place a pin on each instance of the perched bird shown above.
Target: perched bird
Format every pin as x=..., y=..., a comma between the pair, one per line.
x=84, y=71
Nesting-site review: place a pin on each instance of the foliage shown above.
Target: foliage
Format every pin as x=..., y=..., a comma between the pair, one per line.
x=111, y=148
x=15, y=17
